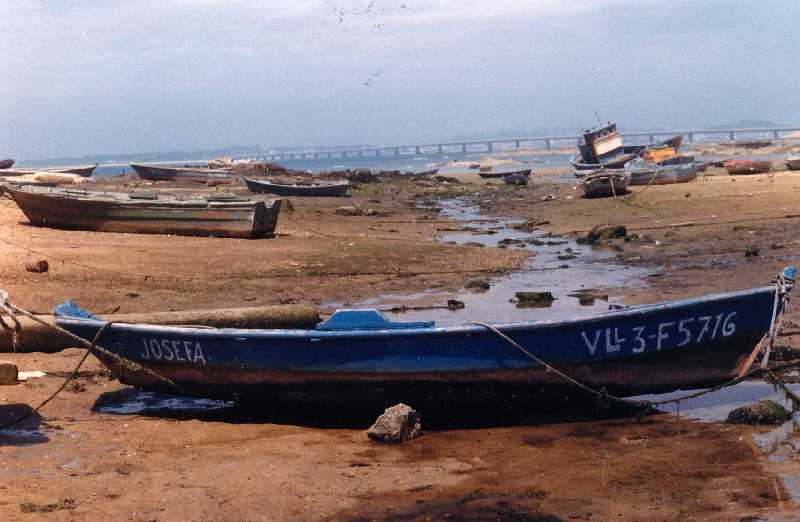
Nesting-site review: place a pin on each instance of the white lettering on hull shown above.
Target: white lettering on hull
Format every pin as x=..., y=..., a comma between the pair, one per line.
x=686, y=331
x=178, y=351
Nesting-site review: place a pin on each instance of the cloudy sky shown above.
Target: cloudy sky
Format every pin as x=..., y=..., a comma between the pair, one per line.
x=84, y=77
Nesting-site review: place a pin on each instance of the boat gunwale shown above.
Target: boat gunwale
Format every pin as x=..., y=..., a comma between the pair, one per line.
x=102, y=198
x=466, y=328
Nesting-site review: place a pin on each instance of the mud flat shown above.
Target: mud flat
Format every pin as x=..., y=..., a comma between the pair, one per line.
x=103, y=450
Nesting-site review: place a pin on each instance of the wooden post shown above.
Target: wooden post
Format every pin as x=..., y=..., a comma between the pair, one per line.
x=547, y=143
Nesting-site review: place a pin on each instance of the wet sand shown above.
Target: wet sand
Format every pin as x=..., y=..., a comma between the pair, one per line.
x=99, y=452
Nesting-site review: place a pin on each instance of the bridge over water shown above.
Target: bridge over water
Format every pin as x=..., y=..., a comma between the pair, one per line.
x=512, y=144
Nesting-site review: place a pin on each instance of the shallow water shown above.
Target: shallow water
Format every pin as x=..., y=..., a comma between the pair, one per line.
x=591, y=268
x=139, y=402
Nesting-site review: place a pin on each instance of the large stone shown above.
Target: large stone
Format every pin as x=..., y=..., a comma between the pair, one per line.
x=603, y=233
x=397, y=424
x=8, y=373
x=38, y=266
x=533, y=299
x=477, y=285
x=762, y=412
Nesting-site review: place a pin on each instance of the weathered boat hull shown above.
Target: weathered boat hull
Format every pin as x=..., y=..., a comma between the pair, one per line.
x=82, y=170
x=739, y=167
x=6, y=163
x=793, y=162
x=302, y=190
x=198, y=175
x=627, y=153
x=58, y=209
x=674, y=141
x=647, y=349
x=603, y=184
x=664, y=175
x=498, y=175
x=516, y=179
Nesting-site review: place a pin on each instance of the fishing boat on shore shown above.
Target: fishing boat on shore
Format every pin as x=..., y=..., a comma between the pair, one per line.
x=504, y=174
x=605, y=183
x=80, y=170
x=685, y=344
x=602, y=148
x=738, y=167
x=676, y=169
x=146, y=212
x=517, y=179
x=793, y=161
x=193, y=174
x=674, y=141
x=6, y=163
x=299, y=189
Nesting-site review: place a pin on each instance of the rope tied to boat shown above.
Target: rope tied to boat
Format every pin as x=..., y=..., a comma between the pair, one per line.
x=92, y=347
x=16, y=329
x=645, y=408
x=783, y=284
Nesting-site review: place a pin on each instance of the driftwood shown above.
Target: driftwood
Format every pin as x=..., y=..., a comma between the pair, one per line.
x=35, y=337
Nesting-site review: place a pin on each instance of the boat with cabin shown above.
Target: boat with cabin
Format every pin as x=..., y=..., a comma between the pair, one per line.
x=602, y=148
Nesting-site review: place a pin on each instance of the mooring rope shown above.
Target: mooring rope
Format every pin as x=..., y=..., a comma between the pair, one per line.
x=92, y=346
x=646, y=407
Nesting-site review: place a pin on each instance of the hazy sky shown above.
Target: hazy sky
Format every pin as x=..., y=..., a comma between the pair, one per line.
x=84, y=77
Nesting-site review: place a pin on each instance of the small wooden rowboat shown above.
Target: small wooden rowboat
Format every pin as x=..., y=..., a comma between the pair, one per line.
x=735, y=167
x=194, y=174
x=316, y=189
x=517, y=179
x=605, y=183
x=685, y=344
x=793, y=162
x=6, y=163
x=498, y=175
x=663, y=174
x=81, y=170
x=146, y=212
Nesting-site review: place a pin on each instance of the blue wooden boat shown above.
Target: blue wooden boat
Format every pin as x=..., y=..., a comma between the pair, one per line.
x=643, y=349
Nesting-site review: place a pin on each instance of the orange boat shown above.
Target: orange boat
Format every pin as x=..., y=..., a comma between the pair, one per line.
x=735, y=167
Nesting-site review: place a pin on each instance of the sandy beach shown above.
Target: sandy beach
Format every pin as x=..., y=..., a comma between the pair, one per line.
x=104, y=450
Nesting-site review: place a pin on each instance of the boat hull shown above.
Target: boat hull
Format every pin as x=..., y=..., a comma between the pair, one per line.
x=793, y=163
x=665, y=175
x=154, y=173
x=249, y=219
x=6, y=163
x=627, y=154
x=743, y=167
x=648, y=349
x=603, y=184
x=310, y=190
x=497, y=175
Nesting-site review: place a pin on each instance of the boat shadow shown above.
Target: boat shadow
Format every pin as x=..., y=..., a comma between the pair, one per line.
x=26, y=432
x=331, y=412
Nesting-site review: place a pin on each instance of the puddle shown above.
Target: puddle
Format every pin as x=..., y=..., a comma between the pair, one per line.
x=553, y=268
x=12, y=437
x=714, y=407
x=137, y=402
